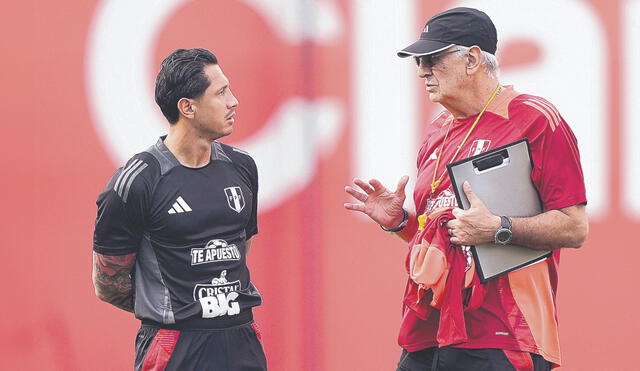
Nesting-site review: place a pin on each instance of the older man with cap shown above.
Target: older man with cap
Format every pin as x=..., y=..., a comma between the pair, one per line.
x=514, y=323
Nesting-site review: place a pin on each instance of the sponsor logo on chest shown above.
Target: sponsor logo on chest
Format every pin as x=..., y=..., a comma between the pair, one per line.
x=445, y=198
x=214, y=251
x=218, y=298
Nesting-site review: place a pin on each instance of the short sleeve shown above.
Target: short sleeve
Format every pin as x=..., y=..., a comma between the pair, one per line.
x=557, y=172
x=252, y=225
x=122, y=208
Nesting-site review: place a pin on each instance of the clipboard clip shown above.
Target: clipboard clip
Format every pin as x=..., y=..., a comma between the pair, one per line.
x=491, y=162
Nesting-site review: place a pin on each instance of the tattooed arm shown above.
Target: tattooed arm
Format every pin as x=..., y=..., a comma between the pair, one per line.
x=112, y=279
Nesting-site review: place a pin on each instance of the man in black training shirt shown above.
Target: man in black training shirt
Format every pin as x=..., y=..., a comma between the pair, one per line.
x=174, y=227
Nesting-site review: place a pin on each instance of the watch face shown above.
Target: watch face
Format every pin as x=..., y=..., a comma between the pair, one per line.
x=503, y=235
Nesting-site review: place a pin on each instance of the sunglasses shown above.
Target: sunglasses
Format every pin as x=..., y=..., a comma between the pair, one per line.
x=433, y=59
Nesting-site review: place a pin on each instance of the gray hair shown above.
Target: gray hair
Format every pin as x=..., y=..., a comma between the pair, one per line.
x=490, y=61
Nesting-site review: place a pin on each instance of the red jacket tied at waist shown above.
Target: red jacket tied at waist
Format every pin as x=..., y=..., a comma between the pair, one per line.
x=437, y=279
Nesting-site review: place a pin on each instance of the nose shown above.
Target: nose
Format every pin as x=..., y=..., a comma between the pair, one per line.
x=424, y=71
x=232, y=102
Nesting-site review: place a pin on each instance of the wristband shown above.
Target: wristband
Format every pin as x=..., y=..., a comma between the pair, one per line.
x=403, y=223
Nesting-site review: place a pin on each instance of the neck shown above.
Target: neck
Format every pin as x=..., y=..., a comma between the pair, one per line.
x=473, y=98
x=190, y=148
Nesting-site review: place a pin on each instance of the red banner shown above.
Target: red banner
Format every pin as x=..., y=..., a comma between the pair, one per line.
x=322, y=99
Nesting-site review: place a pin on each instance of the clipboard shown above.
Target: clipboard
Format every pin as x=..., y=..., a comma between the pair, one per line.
x=502, y=180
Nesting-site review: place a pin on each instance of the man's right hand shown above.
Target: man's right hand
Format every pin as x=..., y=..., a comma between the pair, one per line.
x=377, y=202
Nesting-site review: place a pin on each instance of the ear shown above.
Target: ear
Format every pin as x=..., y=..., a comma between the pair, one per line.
x=474, y=60
x=187, y=107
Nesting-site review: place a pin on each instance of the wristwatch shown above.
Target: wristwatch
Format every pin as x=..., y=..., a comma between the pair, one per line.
x=403, y=223
x=503, y=233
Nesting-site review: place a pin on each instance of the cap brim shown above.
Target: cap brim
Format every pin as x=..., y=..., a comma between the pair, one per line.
x=423, y=47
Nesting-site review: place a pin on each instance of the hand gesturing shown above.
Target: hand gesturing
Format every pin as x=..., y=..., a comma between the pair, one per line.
x=377, y=202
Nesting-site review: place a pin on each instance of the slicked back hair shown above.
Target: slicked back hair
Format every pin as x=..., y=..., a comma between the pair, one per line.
x=182, y=76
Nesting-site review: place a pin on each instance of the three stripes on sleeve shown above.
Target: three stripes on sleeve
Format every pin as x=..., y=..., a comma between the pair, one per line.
x=126, y=177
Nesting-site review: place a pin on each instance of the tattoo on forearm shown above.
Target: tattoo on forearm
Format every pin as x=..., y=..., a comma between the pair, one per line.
x=112, y=279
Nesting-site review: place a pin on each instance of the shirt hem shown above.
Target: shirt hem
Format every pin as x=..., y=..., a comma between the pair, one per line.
x=509, y=346
x=197, y=323
x=565, y=203
x=419, y=346
x=113, y=251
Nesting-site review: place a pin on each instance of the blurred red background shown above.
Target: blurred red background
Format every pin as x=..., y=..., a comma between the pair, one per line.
x=331, y=281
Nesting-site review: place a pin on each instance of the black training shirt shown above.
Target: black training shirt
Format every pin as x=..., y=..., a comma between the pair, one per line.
x=188, y=227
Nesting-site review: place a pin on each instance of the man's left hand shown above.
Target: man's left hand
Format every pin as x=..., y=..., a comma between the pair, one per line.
x=475, y=225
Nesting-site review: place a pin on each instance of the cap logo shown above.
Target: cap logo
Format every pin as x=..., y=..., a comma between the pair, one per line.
x=426, y=28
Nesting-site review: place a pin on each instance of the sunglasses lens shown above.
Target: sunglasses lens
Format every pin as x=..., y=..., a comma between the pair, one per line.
x=425, y=60
x=428, y=61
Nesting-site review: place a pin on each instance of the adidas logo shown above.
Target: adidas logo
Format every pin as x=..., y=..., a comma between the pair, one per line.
x=180, y=206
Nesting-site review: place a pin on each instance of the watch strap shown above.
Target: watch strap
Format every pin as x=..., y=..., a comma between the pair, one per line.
x=505, y=222
x=403, y=223
x=505, y=227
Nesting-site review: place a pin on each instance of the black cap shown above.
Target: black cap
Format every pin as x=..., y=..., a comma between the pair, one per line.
x=459, y=26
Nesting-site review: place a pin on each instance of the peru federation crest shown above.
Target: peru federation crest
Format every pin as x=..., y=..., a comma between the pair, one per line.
x=479, y=146
x=235, y=198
